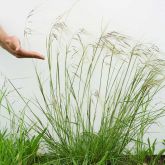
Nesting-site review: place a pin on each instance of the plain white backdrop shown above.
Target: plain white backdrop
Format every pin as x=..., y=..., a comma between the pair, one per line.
x=143, y=20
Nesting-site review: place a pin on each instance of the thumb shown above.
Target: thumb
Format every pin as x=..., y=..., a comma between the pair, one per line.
x=17, y=48
x=17, y=45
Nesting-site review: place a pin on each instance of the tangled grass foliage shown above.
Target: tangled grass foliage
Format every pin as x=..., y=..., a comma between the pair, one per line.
x=99, y=98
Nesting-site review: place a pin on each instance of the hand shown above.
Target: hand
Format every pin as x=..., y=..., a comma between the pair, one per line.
x=13, y=45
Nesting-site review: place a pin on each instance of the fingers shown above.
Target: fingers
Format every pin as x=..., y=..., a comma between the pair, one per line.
x=21, y=53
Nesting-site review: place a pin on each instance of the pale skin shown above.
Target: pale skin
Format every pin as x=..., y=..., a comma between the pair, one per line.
x=13, y=45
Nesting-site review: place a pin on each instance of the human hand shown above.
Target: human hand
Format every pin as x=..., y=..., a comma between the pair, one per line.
x=13, y=45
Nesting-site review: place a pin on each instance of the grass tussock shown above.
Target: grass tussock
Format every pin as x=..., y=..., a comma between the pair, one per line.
x=99, y=99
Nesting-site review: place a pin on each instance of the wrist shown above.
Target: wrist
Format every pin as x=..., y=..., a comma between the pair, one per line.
x=3, y=36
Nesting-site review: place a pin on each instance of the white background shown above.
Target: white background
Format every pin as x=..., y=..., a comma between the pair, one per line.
x=144, y=20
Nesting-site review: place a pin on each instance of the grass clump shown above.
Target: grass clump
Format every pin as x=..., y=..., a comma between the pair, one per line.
x=17, y=145
x=99, y=99
x=19, y=150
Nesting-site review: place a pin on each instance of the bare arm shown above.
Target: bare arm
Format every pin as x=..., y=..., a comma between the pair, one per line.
x=13, y=45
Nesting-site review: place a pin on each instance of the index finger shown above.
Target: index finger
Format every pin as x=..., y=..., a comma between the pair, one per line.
x=21, y=53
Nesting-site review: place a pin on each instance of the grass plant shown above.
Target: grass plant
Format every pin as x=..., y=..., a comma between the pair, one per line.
x=100, y=106
x=17, y=145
